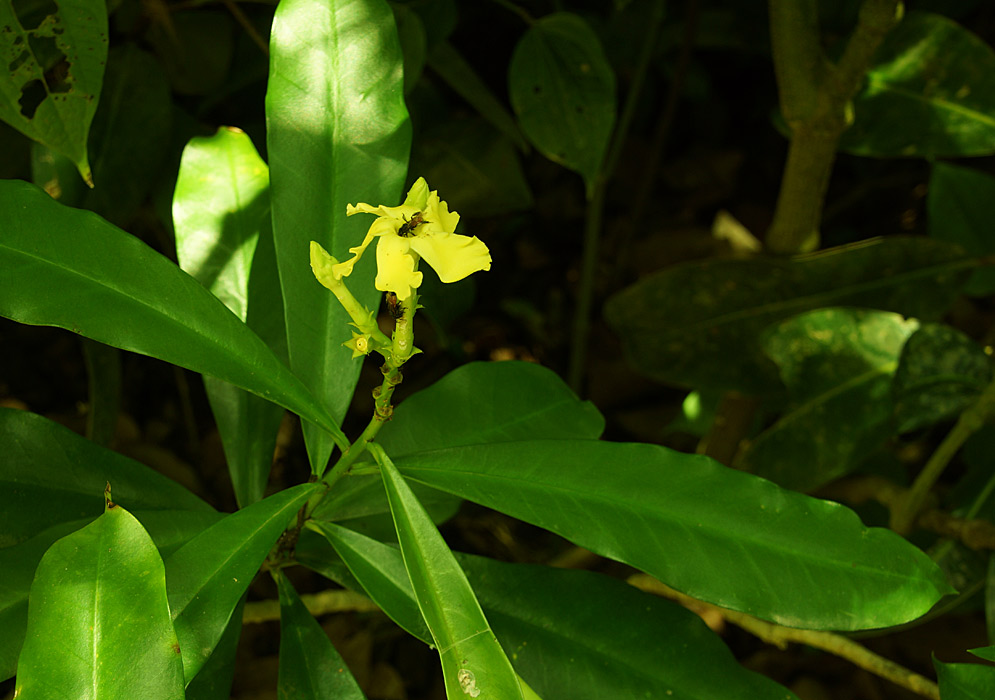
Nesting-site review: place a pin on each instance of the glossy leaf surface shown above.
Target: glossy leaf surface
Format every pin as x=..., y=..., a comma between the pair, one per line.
x=98, y=622
x=959, y=210
x=573, y=634
x=699, y=324
x=39, y=453
x=473, y=662
x=838, y=366
x=220, y=212
x=214, y=682
x=702, y=528
x=930, y=94
x=310, y=667
x=54, y=109
x=941, y=372
x=562, y=90
x=965, y=681
x=208, y=576
x=477, y=403
x=337, y=133
x=126, y=295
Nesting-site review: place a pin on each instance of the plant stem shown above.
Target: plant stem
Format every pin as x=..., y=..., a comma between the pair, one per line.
x=816, y=102
x=779, y=636
x=593, y=221
x=903, y=516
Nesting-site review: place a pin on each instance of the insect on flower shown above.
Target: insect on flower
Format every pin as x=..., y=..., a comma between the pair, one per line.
x=394, y=307
x=408, y=227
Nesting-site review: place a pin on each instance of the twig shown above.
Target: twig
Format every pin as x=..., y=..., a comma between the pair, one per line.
x=780, y=636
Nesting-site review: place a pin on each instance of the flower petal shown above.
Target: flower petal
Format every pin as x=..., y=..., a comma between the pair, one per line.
x=396, y=266
x=451, y=255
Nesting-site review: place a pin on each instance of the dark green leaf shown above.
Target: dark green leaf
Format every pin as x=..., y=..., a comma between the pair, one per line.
x=574, y=634
x=474, y=166
x=98, y=622
x=220, y=213
x=941, y=372
x=461, y=77
x=930, y=94
x=699, y=324
x=52, y=475
x=195, y=49
x=563, y=92
x=838, y=366
x=709, y=531
x=310, y=667
x=479, y=402
x=54, y=64
x=965, y=681
x=338, y=133
x=103, y=369
x=473, y=662
x=130, y=135
x=959, y=210
x=209, y=574
x=411, y=35
x=215, y=679
x=126, y=295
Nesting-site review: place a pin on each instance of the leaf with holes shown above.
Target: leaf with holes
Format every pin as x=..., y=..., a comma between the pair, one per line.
x=55, y=56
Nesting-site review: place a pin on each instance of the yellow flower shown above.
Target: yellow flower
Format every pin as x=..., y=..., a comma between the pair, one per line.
x=360, y=344
x=421, y=228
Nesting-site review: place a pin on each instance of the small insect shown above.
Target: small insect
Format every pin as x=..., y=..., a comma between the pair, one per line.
x=394, y=307
x=409, y=225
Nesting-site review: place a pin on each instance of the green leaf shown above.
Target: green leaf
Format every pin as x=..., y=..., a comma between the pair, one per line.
x=128, y=296
x=169, y=529
x=941, y=372
x=462, y=78
x=959, y=211
x=704, y=529
x=563, y=92
x=473, y=662
x=214, y=682
x=337, y=133
x=699, y=324
x=585, y=636
x=479, y=402
x=220, y=212
x=931, y=94
x=209, y=574
x=98, y=622
x=411, y=36
x=474, y=166
x=39, y=454
x=838, y=366
x=310, y=667
x=130, y=135
x=965, y=681
x=55, y=66
x=379, y=570
x=575, y=634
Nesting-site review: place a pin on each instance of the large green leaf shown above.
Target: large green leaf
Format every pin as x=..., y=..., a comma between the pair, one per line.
x=940, y=373
x=699, y=324
x=337, y=133
x=930, y=94
x=208, y=575
x=562, y=89
x=573, y=634
x=838, y=366
x=70, y=268
x=54, y=64
x=169, y=529
x=477, y=403
x=98, y=622
x=214, y=682
x=712, y=532
x=473, y=662
x=52, y=475
x=310, y=667
x=959, y=210
x=220, y=213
